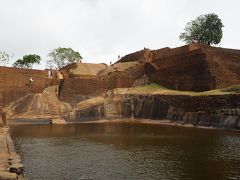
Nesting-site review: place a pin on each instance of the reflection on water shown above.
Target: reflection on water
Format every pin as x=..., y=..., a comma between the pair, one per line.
x=126, y=151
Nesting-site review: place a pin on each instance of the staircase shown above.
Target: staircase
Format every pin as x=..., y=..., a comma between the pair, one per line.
x=51, y=97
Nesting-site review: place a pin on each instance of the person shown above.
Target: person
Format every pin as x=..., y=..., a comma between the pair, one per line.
x=194, y=41
x=119, y=56
x=49, y=73
x=30, y=80
x=3, y=116
x=110, y=63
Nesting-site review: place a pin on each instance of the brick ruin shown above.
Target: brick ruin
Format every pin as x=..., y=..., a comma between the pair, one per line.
x=193, y=67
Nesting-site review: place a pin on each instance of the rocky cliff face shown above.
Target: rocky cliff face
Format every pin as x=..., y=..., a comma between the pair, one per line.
x=222, y=111
x=33, y=106
x=216, y=111
x=209, y=111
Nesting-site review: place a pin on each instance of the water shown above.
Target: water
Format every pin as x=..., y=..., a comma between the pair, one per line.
x=126, y=151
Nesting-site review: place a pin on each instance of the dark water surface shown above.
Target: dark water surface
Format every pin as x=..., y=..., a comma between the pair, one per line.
x=126, y=151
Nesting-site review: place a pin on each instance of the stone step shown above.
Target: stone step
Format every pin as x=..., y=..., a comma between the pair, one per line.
x=52, y=100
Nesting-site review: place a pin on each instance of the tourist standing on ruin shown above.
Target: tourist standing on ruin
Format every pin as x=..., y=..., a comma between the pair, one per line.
x=30, y=80
x=49, y=74
x=194, y=41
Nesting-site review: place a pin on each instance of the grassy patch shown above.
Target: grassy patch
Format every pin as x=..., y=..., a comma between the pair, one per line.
x=157, y=89
x=233, y=89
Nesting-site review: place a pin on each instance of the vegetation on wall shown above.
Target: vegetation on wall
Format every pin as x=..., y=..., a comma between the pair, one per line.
x=27, y=61
x=61, y=57
x=206, y=29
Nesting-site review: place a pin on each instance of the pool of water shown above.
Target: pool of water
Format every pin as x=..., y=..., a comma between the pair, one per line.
x=126, y=151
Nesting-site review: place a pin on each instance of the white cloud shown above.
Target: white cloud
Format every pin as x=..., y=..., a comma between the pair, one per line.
x=102, y=29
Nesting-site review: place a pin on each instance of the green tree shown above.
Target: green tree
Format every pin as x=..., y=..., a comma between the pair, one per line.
x=27, y=61
x=19, y=63
x=206, y=29
x=4, y=57
x=61, y=57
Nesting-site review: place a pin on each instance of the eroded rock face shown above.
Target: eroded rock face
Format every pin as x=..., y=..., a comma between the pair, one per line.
x=203, y=118
x=88, y=114
x=34, y=106
x=216, y=111
x=221, y=111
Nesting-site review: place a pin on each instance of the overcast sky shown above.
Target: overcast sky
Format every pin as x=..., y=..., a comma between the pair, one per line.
x=102, y=29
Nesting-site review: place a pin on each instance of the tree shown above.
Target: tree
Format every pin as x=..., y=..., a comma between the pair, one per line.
x=27, y=61
x=61, y=57
x=206, y=29
x=4, y=57
x=19, y=63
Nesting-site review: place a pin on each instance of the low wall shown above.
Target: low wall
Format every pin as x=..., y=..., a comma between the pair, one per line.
x=10, y=162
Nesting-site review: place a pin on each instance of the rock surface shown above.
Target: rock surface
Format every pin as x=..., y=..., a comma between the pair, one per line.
x=193, y=67
x=10, y=163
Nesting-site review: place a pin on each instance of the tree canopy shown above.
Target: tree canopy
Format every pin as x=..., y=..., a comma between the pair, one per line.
x=206, y=29
x=27, y=61
x=61, y=57
x=4, y=57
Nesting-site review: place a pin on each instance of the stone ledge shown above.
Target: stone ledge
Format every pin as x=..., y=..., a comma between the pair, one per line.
x=10, y=162
x=58, y=121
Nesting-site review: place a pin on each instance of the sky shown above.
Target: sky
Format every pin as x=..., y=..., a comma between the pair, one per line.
x=103, y=29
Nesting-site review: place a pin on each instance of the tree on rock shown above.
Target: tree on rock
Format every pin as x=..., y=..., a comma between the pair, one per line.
x=61, y=57
x=206, y=29
x=27, y=61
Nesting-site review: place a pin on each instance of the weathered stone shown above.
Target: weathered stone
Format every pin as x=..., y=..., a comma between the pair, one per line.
x=17, y=168
x=7, y=147
x=7, y=175
x=6, y=168
x=13, y=156
x=15, y=161
x=58, y=121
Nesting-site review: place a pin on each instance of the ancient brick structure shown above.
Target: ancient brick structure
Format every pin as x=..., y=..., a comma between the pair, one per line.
x=14, y=82
x=193, y=67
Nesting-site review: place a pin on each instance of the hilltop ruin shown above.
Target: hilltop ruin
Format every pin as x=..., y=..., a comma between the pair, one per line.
x=91, y=91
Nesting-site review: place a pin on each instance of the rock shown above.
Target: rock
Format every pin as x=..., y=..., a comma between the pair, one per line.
x=58, y=121
x=13, y=156
x=15, y=161
x=210, y=111
x=7, y=175
x=17, y=168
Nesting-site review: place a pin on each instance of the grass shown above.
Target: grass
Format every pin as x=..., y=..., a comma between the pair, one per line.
x=157, y=89
x=235, y=89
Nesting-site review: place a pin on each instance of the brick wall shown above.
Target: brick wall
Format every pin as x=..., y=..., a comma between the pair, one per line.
x=76, y=89
x=186, y=71
x=14, y=83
